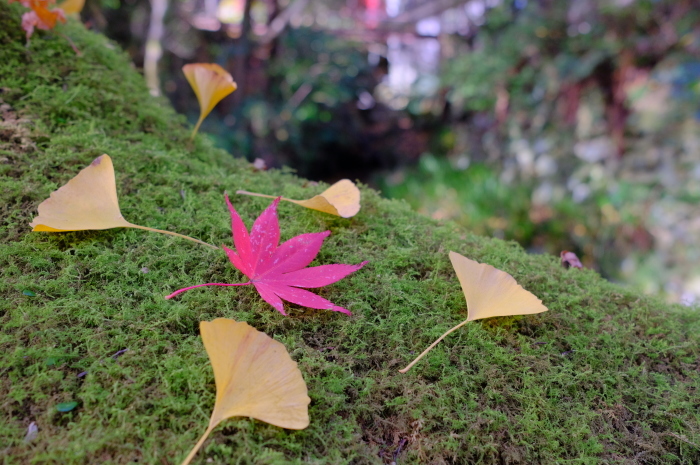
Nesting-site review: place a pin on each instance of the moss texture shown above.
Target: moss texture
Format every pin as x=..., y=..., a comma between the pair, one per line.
x=606, y=376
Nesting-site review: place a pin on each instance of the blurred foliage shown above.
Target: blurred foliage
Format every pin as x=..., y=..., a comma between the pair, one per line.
x=478, y=198
x=307, y=110
x=579, y=124
x=298, y=107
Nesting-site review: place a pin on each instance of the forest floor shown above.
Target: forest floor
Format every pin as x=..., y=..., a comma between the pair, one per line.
x=606, y=376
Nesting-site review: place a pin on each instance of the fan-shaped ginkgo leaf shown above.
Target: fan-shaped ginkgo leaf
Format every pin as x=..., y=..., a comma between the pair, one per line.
x=492, y=292
x=341, y=199
x=255, y=377
x=210, y=83
x=489, y=292
x=88, y=201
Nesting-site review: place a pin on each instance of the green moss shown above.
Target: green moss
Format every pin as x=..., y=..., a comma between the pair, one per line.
x=606, y=376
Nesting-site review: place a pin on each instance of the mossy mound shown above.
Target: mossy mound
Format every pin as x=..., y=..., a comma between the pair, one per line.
x=606, y=376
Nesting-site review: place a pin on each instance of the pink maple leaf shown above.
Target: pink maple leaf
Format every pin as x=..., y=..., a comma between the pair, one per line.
x=278, y=271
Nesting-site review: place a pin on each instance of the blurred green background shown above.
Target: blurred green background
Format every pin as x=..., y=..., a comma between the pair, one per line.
x=561, y=125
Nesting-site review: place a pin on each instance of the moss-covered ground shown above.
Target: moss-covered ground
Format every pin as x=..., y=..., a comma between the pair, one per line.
x=606, y=376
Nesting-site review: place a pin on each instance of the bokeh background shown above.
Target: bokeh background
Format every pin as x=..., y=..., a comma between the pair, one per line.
x=563, y=125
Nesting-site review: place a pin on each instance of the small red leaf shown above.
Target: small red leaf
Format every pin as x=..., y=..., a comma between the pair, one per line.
x=40, y=15
x=278, y=271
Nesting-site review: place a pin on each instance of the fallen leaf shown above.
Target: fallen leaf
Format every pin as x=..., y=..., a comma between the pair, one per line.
x=66, y=406
x=489, y=292
x=32, y=432
x=276, y=271
x=259, y=164
x=29, y=293
x=40, y=16
x=569, y=259
x=255, y=377
x=88, y=201
x=210, y=83
x=71, y=7
x=341, y=199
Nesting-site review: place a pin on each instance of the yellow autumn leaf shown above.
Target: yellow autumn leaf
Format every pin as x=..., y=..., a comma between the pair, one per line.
x=492, y=292
x=489, y=292
x=210, y=83
x=255, y=377
x=70, y=7
x=341, y=199
x=88, y=201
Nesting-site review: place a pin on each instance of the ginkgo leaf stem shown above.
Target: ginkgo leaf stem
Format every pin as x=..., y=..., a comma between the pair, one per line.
x=432, y=345
x=172, y=234
x=180, y=291
x=197, y=446
x=196, y=128
x=265, y=196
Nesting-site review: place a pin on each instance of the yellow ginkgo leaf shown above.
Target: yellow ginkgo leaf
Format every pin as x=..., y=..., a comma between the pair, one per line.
x=489, y=292
x=210, y=83
x=255, y=377
x=70, y=7
x=88, y=201
x=492, y=292
x=341, y=199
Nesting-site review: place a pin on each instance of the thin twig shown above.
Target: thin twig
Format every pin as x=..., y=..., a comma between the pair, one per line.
x=72, y=44
x=398, y=449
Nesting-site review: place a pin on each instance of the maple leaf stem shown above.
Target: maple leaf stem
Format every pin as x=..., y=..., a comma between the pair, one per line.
x=180, y=291
x=173, y=234
x=197, y=446
x=404, y=370
x=263, y=195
